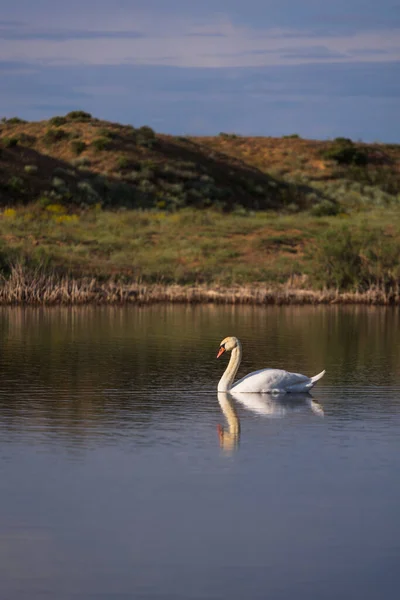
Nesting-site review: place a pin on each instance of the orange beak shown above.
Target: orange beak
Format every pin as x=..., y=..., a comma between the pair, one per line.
x=220, y=352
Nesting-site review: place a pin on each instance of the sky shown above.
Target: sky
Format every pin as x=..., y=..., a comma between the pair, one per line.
x=250, y=67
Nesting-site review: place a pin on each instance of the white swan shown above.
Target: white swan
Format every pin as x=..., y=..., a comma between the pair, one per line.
x=263, y=381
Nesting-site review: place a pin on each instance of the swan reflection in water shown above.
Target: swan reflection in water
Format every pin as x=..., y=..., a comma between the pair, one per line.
x=267, y=405
x=228, y=438
x=277, y=405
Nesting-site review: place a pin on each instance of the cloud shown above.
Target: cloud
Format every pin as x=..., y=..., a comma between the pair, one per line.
x=252, y=67
x=313, y=53
x=23, y=34
x=185, y=43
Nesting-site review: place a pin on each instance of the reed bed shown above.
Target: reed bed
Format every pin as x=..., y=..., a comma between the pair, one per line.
x=38, y=288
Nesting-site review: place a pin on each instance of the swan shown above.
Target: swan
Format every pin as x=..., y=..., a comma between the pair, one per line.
x=263, y=381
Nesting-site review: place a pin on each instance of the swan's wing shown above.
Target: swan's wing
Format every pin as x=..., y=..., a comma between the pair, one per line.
x=272, y=380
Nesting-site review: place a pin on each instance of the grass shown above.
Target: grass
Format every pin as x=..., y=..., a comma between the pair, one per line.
x=292, y=256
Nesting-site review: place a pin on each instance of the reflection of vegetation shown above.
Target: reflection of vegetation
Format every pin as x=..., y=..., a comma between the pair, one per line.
x=79, y=372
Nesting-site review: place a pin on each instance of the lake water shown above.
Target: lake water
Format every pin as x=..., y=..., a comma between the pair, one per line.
x=123, y=474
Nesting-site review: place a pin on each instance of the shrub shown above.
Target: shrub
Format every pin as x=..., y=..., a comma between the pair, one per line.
x=63, y=172
x=292, y=136
x=57, y=121
x=228, y=136
x=343, y=141
x=15, y=121
x=15, y=184
x=345, y=152
x=101, y=143
x=82, y=161
x=87, y=194
x=57, y=182
x=145, y=136
x=31, y=169
x=123, y=162
x=78, y=115
x=358, y=260
x=107, y=133
x=10, y=142
x=325, y=208
x=146, y=131
x=78, y=146
x=26, y=140
x=52, y=136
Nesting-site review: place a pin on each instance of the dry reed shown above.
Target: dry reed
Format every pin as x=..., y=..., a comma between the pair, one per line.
x=38, y=288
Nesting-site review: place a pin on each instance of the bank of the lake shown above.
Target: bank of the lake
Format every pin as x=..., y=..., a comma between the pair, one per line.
x=94, y=211
x=50, y=257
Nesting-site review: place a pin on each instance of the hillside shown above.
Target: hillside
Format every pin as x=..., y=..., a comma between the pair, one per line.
x=80, y=161
x=98, y=211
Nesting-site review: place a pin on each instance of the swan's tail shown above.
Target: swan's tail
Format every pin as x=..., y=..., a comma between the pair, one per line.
x=317, y=377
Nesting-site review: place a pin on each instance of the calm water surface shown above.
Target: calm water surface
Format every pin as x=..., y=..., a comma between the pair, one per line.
x=123, y=474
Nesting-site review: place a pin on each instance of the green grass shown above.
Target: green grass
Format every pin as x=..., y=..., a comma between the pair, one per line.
x=208, y=247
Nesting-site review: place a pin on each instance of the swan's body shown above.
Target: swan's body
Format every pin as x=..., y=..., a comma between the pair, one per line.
x=263, y=381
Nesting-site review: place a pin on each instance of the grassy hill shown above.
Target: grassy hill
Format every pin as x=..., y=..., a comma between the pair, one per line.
x=80, y=197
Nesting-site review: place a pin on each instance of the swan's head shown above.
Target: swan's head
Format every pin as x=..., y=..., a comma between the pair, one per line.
x=227, y=344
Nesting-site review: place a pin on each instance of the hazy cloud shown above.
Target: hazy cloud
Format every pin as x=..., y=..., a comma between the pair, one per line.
x=22, y=34
x=187, y=44
x=260, y=66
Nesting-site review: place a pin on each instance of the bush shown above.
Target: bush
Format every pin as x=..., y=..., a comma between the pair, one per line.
x=345, y=152
x=343, y=141
x=146, y=131
x=145, y=136
x=291, y=136
x=58, y=183
x=107, y=133
x=348, y=260
x=325, y=208
x=78, y=146
x=52, y=136
x=31, y=169
x=16, y=184
x=57, y=121
x=82, y=161
x=78, y=115
x=87, y=194
x=15, y=121
x=123, y=162
x=26, y=140
x=228, y=136
x=101, y=143
x=10, y=142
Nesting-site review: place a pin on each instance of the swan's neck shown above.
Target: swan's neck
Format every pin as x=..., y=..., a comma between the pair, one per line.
x=226, y=381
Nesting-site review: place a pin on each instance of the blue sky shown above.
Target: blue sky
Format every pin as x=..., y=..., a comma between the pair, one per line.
x=255, y=67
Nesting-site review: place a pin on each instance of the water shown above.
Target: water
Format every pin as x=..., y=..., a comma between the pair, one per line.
x=124, y=475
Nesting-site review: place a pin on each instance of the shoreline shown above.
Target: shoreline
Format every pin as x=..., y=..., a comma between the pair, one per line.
x=49, y=290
